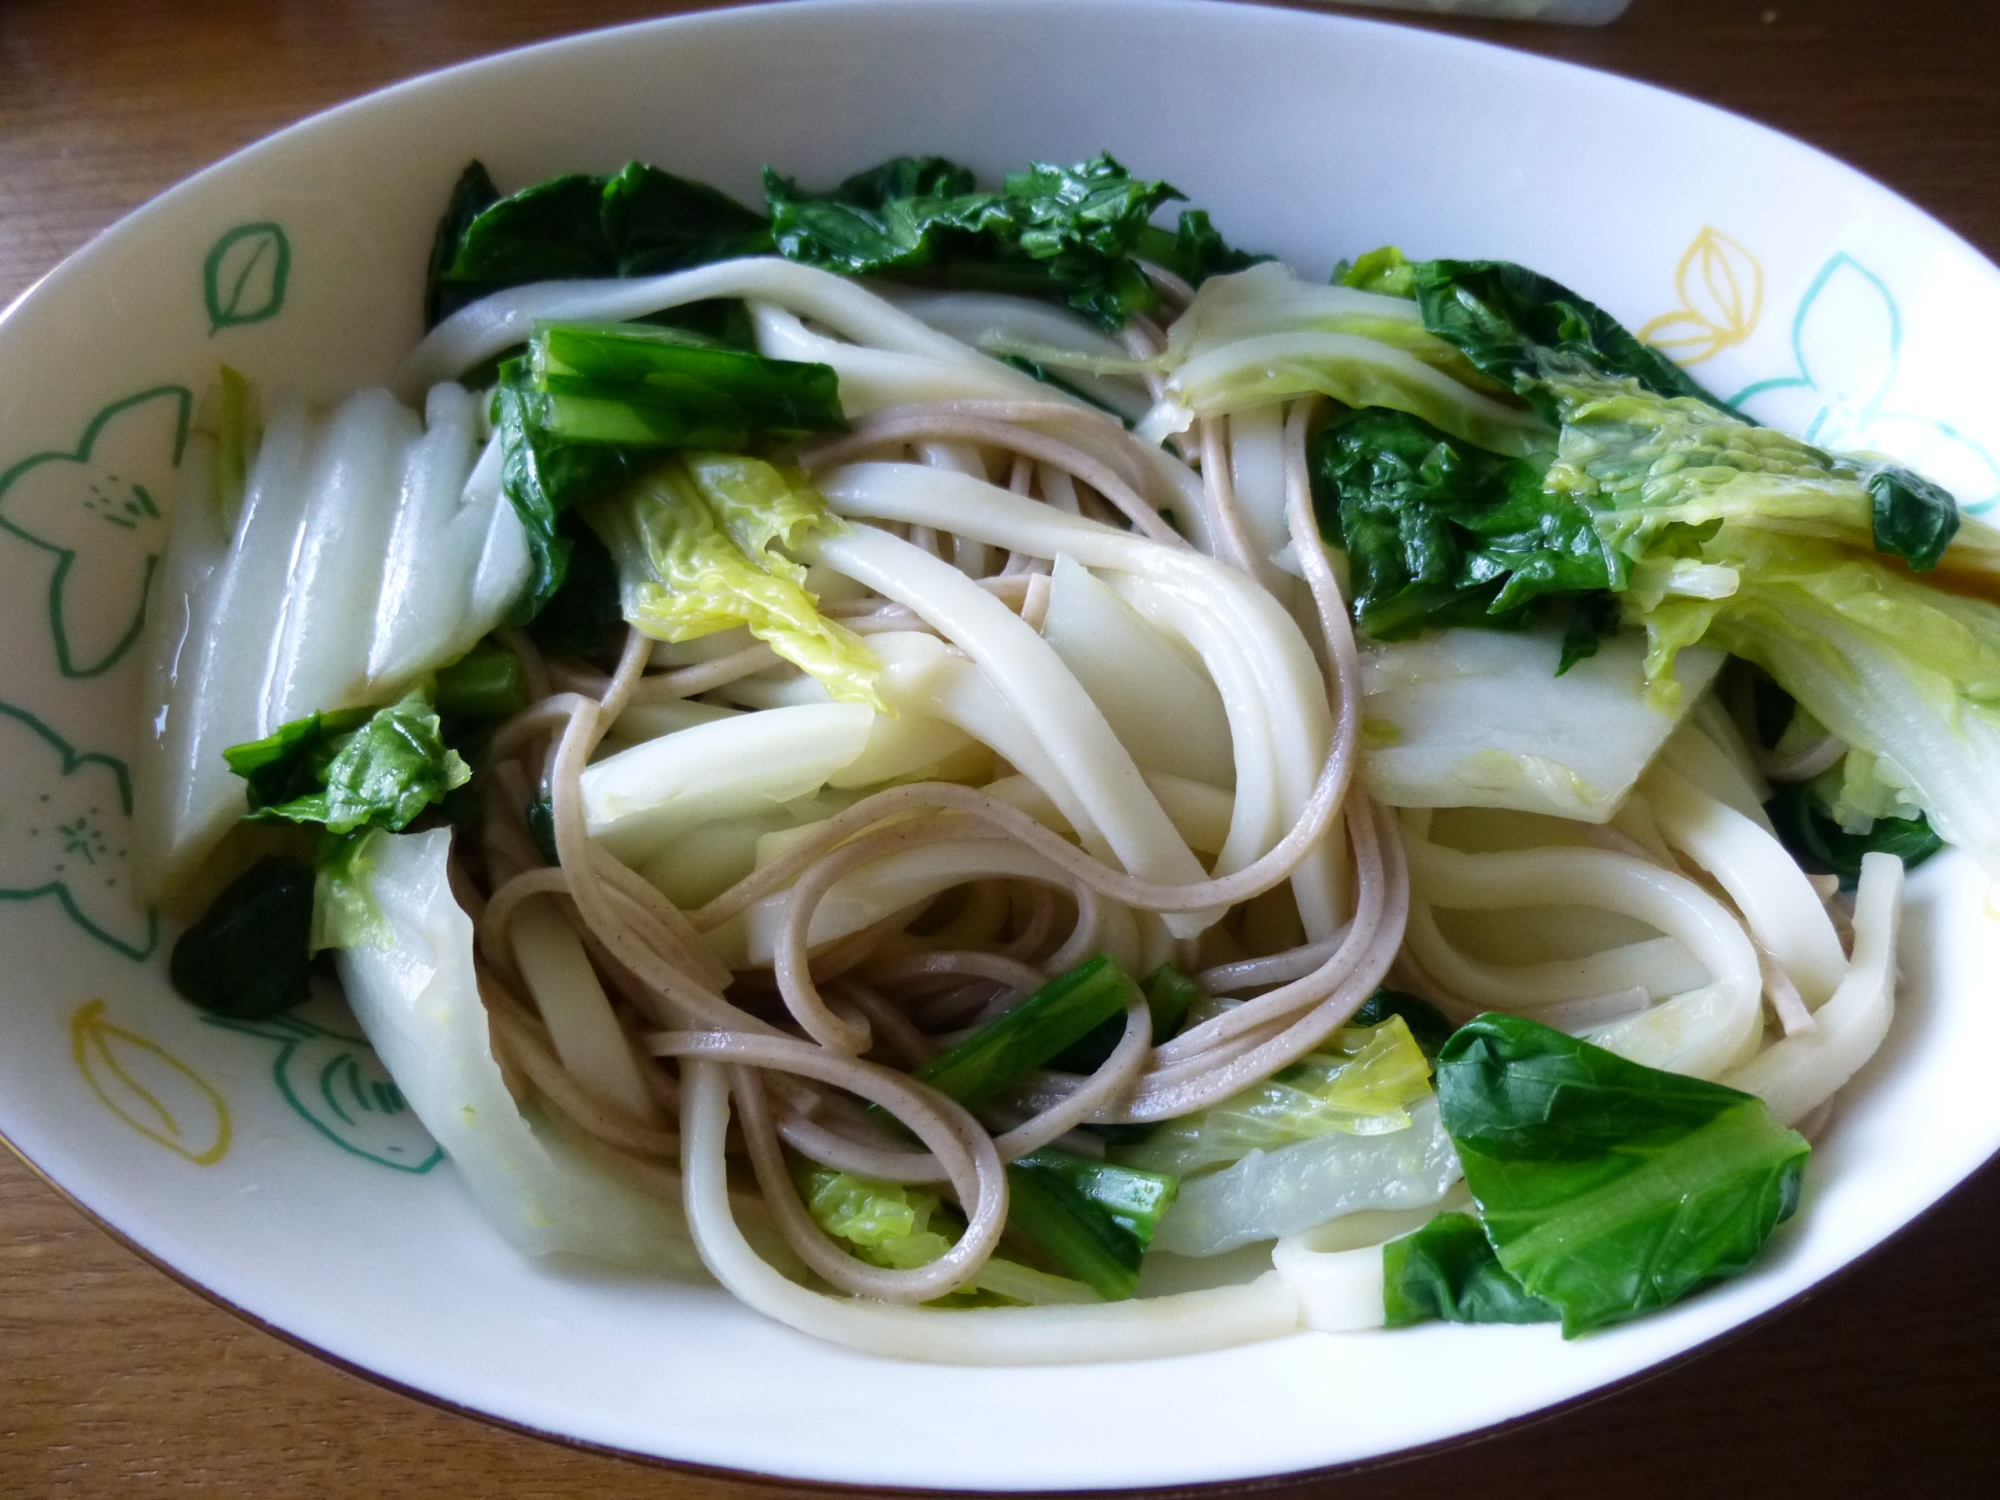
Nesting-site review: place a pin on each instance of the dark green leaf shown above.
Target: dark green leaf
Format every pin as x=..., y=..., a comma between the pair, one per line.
x=553, y=231
x=1169, y=994
x=580, y=614
x=248, y=956
x=1595, y=616
x=1428, y=1027
x=486, y=683
x=1605, y=1187
x=654, y=222
x=1824, y=847
x=1195, y=251
x=1439, y=532
x=638, y=222
x=543, y=477
x=380, y=773
x=1059, y=1014
x=1066, y=233
x=1914, y=519
x=1511, y=322
x=1093, y=1220
x=1448, y=1270
x=471, y=196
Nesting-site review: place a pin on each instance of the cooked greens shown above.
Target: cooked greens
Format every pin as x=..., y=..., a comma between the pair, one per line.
x=1605, y=1188
x=1071, y=234
x=250, y=954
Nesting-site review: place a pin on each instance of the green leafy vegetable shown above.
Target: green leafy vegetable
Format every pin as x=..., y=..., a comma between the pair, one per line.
x=1911, y=517
x=1195, y=250
x=486, y=683
x=1428, y=1027
x=377, y=769
x=580, y=416
x=1170, y=993
x=1607, y=1188
x=888, y=1224
x=695, y=545
x=1516, y=325
x=1360, y=1081
x=248, y=956
x=1004, y=1050
x=1822, y=845
x=640, y=221
x=1092, y=1219
x=642, y=386
x=543, y=479
x=1440, y=532
x=1448, y=1270
x=1385, y=270
x=577, y=618
x=1073, y=234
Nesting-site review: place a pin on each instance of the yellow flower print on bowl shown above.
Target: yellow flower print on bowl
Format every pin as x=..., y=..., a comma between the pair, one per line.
x=1721, y=287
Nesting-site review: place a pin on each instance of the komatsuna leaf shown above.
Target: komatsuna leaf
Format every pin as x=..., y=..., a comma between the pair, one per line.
x=1514, y=324
x=543, y=477
x=1605, y=1187
x=378, y=773
x=639, y=221
x=1195, y=250
x=247, y=955
x=1071, y=234
x=1911, y=518
x=1440, y=532
x=1823, y=846
x=1448, y=1270
x=471, y=196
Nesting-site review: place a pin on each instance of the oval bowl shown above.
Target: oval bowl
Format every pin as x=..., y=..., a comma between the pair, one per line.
x=266, y=1163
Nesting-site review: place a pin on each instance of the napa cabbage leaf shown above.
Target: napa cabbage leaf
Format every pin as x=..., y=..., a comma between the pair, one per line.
x=696, y=543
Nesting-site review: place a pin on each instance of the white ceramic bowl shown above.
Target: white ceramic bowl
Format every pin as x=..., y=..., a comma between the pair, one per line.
x=262, y=1162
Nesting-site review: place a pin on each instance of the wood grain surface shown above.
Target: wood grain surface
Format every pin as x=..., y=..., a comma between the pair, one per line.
x=117, y=1380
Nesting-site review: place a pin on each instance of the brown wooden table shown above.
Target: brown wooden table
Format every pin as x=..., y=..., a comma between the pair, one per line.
x=115, y=1379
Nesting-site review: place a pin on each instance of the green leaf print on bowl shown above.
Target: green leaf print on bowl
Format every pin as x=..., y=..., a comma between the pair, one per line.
x=1847, y=340
x=101, y=511
x=243, y=279
x=65, y=832
x=336, y=1084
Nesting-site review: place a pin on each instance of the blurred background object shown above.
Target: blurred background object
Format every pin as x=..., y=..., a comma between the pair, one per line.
x=1571, y=12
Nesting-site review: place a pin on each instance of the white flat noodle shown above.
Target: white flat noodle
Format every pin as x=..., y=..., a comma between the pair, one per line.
x=876, y=379
x=418, y=1000
x=1798, y=1074
x=1272, y=1193
x=507, y=318
x=1478, y=718
x=1257, y=474
x=1036, y=685
x=320, y=660
x=997, y=323
x=585, y=1032
x=639, y=798
x=1147, y=1328
x=1163, y=708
